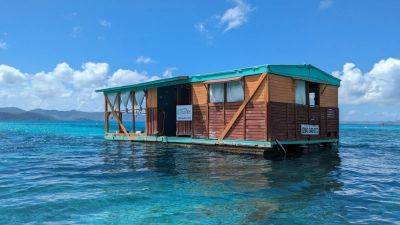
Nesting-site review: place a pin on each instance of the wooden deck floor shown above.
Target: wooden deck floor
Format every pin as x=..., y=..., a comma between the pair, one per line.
x=251, y=145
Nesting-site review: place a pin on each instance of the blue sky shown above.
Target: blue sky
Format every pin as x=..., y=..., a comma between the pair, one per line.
x=52, y=50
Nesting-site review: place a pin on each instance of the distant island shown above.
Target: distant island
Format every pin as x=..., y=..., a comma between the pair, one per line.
x=17, y=114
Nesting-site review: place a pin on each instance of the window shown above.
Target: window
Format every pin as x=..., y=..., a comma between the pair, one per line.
x=307, y=93
x=301, y=92
x=311, y=99
x=313, y=94
x=216, y=92
x=234, y=91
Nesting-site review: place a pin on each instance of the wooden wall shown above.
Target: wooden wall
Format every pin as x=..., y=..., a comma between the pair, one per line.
x=200, y=110
x=209, y=119
x=151, y=111
x=199, y=94
x=285, y=121
x=272, y=112
x=328, y=95
x=151, y=98
x=285, y=117
x=281, y=89
x=250, y=85
x=200, y=121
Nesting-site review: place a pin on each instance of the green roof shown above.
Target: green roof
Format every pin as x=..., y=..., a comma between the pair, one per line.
x=146, y=85
x=306, y=72
x=302, y=72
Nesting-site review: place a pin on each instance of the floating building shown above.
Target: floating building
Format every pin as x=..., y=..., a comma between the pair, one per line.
x=257, y=108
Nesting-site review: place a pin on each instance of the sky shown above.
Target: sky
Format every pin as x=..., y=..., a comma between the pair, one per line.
x=54, y=54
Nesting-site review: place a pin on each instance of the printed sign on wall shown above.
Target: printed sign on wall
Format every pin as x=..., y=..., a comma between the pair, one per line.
x=184, y=113
x=307, y=129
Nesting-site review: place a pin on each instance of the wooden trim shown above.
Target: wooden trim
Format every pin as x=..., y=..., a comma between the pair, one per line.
x=147, y=106
x=323, y=90
x=287, y=124
x=266, y=121
x=295, y=121
x=269, y=88
x=223, y=104
x=244, y=123
x=133, y=112
x=326, y=120
x=239, y=111
x=307, y=93
x=191, y=102
x=269, y=129
x=118, y=120
x=106, y=116
x=308, y=117
x=208, y=111
x=118, y=102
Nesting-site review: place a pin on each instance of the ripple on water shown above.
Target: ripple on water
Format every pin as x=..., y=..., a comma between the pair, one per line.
x=66, y=173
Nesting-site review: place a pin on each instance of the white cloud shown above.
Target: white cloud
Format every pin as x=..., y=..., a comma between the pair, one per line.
x=201, y=28
x=48, y=85
x=105, y=23
x=3, y=44
x=352, y=112
x=10, y=76
x=126, y=77
x=91, y=75
x=236, y=16
x=169, y=72
x=76, y=31
x=380, y=85
x=144, y=60
x=325, y=4
x=232, y=18
x=64, y=87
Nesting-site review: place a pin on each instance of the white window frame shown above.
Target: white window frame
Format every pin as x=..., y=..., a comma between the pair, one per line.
x=242, y=91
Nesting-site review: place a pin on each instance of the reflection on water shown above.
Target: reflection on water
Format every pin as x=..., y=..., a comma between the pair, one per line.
x=250, y=188
x=66, y=173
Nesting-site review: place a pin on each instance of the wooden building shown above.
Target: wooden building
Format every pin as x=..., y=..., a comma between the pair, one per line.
x=252, y=107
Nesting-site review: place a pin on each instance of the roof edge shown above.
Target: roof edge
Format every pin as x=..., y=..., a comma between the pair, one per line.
x=247, y=71
x=144, y=85
x=299, y=71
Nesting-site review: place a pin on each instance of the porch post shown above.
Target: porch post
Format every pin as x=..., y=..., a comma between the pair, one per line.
x=133, y=112
x=119, y=112
x=106, y=115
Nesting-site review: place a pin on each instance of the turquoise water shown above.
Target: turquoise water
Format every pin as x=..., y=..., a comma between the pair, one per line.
x=65, y=173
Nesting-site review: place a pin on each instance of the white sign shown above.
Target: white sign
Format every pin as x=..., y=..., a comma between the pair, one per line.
x=307, y=129
x=184, y=113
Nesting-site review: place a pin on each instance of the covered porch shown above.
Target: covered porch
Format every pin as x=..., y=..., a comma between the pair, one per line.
x=148, y=109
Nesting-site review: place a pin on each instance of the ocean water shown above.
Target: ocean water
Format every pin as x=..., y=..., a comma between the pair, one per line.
x=65, y=173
